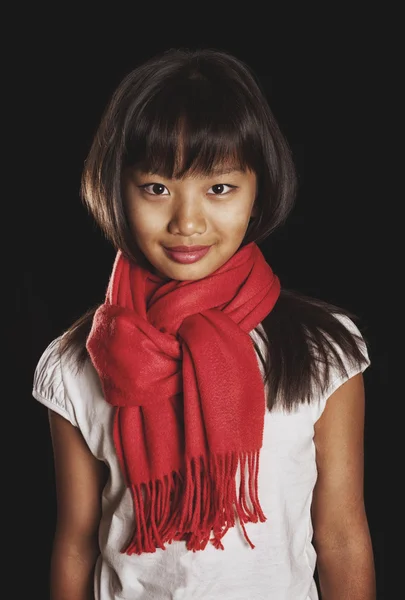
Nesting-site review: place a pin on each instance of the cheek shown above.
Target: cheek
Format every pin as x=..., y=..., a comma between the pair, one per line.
x=233, y=218
x=145, y=222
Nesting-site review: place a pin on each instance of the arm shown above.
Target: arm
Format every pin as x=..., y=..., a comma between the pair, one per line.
x=341, y=533
x=79, y=478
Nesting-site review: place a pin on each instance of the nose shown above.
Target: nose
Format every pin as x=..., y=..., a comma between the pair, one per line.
x=187, y=218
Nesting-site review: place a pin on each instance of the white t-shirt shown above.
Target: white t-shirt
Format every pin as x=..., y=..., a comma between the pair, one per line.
x=282, y=564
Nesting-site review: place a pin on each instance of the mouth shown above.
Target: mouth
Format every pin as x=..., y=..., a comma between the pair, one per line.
x=186, y=254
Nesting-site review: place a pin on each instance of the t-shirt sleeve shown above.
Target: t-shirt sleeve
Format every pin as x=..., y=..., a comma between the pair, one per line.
x=48, y=384
x=337, y=377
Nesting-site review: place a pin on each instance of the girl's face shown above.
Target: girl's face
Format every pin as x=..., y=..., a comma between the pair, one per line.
x=211, y=211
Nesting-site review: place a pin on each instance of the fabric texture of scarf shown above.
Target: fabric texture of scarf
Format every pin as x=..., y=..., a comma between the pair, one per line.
x=176, y=360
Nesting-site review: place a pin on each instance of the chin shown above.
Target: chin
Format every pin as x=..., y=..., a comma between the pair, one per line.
x=188, y=277
x=191, y=272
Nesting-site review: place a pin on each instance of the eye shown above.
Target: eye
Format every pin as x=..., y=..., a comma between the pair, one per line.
x=220, y=189
x=155, y=189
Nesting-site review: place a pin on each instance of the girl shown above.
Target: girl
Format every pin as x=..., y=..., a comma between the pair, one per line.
x=207, y=424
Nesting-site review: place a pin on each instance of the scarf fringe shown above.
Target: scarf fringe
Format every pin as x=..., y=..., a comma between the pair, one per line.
x=202, y=501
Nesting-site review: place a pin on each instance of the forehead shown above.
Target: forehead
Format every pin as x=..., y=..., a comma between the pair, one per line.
x=183, y=154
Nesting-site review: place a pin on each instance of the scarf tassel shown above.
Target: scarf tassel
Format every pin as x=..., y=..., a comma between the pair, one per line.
x=193, y=506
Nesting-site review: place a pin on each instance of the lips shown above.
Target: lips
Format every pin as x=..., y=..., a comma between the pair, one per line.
x=187, y=248
x=187, y=254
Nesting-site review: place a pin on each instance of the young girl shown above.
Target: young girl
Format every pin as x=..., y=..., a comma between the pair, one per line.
x=207, y=424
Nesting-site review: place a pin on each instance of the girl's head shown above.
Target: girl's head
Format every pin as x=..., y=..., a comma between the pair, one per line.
x=188, y=153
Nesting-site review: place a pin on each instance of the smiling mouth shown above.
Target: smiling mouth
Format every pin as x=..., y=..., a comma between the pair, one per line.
x=187, y=254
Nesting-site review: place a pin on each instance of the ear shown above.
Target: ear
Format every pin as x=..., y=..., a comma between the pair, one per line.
x=254, y=211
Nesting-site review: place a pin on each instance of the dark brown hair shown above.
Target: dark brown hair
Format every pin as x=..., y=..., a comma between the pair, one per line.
x=216, y=103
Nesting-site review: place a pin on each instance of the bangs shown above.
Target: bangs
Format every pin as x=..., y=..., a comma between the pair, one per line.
x=194, y=127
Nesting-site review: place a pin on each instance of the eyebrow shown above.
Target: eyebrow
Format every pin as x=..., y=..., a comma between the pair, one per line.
x=216, y=171
x=225, y=170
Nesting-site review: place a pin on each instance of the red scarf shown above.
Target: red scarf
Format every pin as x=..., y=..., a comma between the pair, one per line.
x=176, y=360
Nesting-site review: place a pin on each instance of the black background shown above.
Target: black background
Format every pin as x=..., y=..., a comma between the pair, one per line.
x=320, y=73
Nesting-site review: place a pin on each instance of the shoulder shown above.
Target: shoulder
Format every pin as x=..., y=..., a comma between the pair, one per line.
x=330, y=332
x=353, y=332
x=49, y=380
x=312, y=347
x=344, y=364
